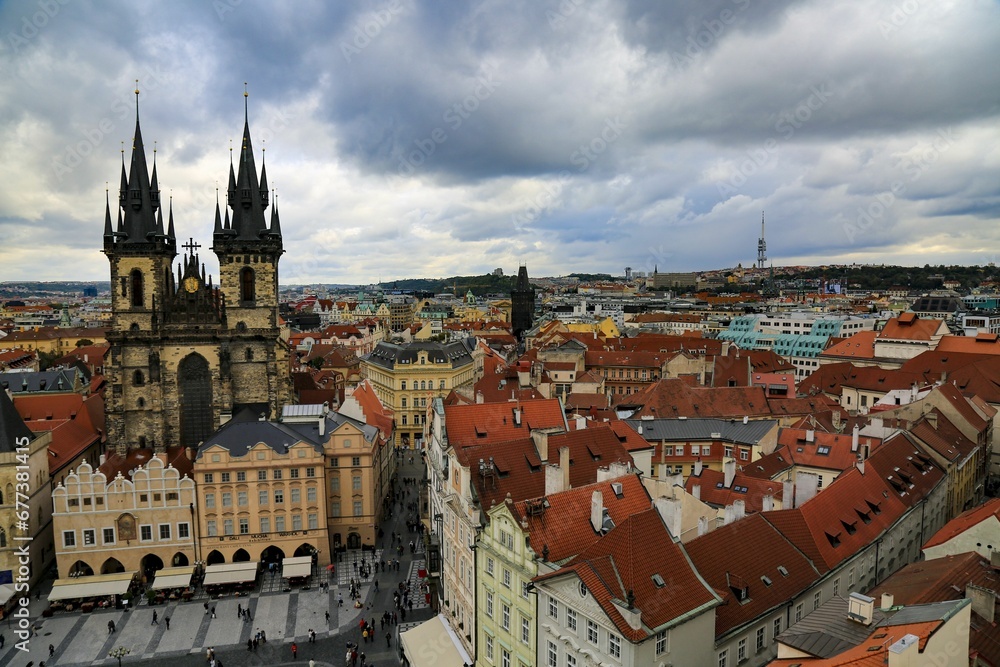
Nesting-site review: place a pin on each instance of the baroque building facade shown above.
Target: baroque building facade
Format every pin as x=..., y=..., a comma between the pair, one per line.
x=186, y=354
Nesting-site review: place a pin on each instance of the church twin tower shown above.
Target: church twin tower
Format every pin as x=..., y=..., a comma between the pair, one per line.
x=187, y=354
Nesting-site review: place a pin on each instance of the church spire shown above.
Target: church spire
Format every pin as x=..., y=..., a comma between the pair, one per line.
x=219, y=231
x=140, y=207
x=108, y=231
x=170, y=228
x=247, y=202
x=275, y=224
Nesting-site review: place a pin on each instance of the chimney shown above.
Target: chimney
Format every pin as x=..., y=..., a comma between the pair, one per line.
x=767, y=503
x=322, y=426
x=887, y=600
x=581, y=422
x=788, y=494
x=905, y=652
x=541, y=440
x=596, y=510
x=835, y=419
x=810, y=435
x=984, y=601
x=517, y=416
x=564, y=467
x=102, y=459
x=672, y=513
x=861, y=465
x=854, y=438
x=702, y=526
x=479, y=397
x=696, y=491
x=860, y=608
x=697, y=467
x=806, y=487
x=729, y=469
x=553, y=480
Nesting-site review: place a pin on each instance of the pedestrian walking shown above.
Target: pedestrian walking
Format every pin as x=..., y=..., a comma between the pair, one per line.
x=295, y=650
x=111, y=627
x=155, y=621
x=213, y=612
x=166, y=620
x=206, y=609
x=249, y=644
x=52, y=650
x=363, y=659
x=388, y=639
x=328, y=618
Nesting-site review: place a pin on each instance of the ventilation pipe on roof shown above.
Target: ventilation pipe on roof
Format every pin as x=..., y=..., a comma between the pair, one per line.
x=729, y=469
x=887, y=600
x=697, y=467
x=854, y=438
x=810, y=435
x=806, y=487
x=788, y=494
x=564, y=467
x=702, y=525
x=905, y=652
x=767, y=503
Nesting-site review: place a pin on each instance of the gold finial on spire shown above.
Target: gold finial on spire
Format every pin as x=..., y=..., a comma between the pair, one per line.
x=107, y=187
x=137, y=100
x=245, y=93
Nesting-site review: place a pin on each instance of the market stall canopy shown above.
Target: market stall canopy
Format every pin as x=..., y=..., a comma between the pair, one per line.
x=98, y=585
x=433, y=644
x=298, y=566
x=173, y=577
x=230, y=573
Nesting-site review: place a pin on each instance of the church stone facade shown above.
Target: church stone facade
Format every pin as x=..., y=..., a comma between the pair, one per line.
x=187, y=354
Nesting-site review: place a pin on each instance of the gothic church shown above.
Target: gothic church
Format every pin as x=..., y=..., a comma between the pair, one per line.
x=187, y=354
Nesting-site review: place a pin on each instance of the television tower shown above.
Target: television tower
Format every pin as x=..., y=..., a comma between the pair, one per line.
x=761, y=245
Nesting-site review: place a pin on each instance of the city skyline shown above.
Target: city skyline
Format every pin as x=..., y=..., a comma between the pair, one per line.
x=404, y=139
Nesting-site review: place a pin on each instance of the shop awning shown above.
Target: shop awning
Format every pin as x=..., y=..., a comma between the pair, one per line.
x=433, y=644
x=173, y=577
x=297, y=566
x=230, y=573
x=98, y=585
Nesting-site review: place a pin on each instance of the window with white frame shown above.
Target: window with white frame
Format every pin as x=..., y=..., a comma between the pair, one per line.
x=265, y=524
x=506, y=578
x=164, y=531
x=209, y=500
x=183, y=531
x=262, y=497
x=591, y=632
x=760, y=639
x=614, y=645
x=279, y=523
x=109, y=535
x=525, y=589
x=552, y=655
x=505, y=616
x=227, y=526
x=489, y=648
x=525, y=630
x=571, y=619
x=145, y=533
x=661, y=642
x=490, y=565
x=777, y=628
x=69, y=538
x=723, y=658
x=210, y=528
x=553, y=607
x=489, y=604
x=570, y=660
x=816, y=600
x=741, y=650
x=504, y=658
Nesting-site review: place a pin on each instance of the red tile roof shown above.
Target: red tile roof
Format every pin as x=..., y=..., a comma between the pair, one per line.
x=624, y=561
x=485, y=423
x=376, y=414
x=964, y=521
x=520, y=471
x=871, y=652
x=832, y=378
x=830, y=451
x=762, y=550
x=676, y=398
x=751, y=490
x=563, y=529
x=116, y=463
x=980, y=344
x=910, y=327
x=859, y=346
x=76, y=423
x=842, y=519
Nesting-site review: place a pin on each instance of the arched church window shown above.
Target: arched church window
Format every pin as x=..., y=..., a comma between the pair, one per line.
x=141, y=402
x=138, y=379
x=134, y=327
x=3, y=538
x=241, y=327
x=247, y=284
x=137, y=288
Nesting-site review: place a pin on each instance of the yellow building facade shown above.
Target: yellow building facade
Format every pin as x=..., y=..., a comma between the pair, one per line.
x=141, y=522
x=260, y=495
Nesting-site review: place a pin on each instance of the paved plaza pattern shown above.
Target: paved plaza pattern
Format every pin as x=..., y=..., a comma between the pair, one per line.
x=284, y=616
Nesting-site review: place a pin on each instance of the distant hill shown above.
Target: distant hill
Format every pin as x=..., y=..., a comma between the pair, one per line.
x=479, y=285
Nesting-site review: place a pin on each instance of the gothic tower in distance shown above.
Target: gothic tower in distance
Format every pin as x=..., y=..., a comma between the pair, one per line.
x=186, y=354
x=522, y=304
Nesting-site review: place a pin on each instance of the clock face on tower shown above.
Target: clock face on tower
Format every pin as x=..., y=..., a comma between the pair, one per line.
x=191, y=284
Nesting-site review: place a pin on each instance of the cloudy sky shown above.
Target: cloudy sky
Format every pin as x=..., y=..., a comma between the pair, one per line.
x=427, y=139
